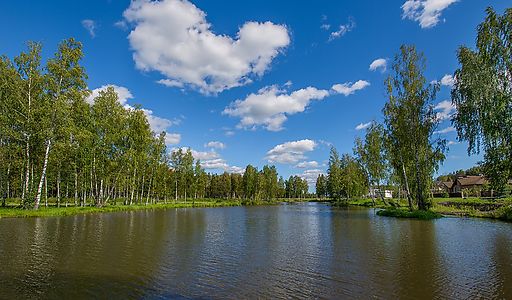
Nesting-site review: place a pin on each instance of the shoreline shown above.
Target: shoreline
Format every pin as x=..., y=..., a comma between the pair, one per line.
x=437, y=210
x=12, y=211
x=52, y=211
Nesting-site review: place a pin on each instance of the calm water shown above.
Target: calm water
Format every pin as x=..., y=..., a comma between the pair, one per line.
x=298, y=251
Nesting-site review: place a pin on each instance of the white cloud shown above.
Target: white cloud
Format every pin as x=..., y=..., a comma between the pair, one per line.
x=311, y=175
x=215, y=145
x=347, y=89
x=379, y=63
x=362, y=126
x=445, y=110
x=445, y=130
x=307, y=164
x=90, y=26
x=325, y=26
x=156, y=123
x=206, y=155
x=447, y=80
x=174, y=38
x=271, y=106
x=342, y=30
x=452, y=143
x=426, y=12
x=121, y=25
x=211, y=160
x=171, y=83
x=290, y=152
x=172, y=138
x=123, y=93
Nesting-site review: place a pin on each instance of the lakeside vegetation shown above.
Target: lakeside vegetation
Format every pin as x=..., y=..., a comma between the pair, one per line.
x=405, y=151
x=13, y=210
x=54, y=211
x=63, y=151
x=458, y=207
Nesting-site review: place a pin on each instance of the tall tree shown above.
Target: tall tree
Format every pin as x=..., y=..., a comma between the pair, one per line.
x=335, y=176
x=410, y=123
x=370, y=154
x=482, y=94
x=64, y=81
x=321, y=186
x=30, y=85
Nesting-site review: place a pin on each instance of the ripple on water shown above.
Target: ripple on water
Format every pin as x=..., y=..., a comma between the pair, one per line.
x=287, y=251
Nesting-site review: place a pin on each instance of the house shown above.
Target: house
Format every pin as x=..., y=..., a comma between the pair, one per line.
x=387, y=194
x=464, y=186
x=469, y=183
x=442, y=187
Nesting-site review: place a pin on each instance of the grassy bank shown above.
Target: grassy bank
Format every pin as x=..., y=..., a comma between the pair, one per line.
x=53, y=211
x=474, y=207
x=12, y=209
x=468, y=207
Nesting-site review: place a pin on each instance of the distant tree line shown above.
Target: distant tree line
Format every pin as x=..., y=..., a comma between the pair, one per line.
x=54, y=144
x=405, y=151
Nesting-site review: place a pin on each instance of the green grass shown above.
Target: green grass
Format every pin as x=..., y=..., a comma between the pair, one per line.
x=504, y=213
x=12, y=209
x=403, y=213
x=13, y=212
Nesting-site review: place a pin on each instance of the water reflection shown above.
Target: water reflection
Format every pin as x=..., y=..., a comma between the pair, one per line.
x=303, y=251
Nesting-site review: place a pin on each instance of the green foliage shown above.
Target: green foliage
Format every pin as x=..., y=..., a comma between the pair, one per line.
x=415, y=214
x=321, y=186
x=56, y=142
x=296, y=187
x=410, y=123
x=345, y=177
x=504, y=213
x=483, y=96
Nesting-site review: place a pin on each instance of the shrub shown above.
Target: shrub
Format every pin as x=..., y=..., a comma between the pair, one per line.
x=415, y=214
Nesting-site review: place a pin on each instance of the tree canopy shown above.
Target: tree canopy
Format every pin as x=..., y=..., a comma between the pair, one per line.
x=482, y=94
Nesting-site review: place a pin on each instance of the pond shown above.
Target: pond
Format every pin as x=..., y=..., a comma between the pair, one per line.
x=306, y=250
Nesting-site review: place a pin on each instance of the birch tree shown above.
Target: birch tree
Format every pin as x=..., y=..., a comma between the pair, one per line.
x=410, y=122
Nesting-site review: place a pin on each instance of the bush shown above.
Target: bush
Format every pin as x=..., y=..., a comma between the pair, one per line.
x=504, y=213
x=415, y=214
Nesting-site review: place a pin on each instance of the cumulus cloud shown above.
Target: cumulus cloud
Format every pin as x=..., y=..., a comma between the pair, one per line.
x=215, y=145
x=311, y=175
x=172, y=138
x=171, y=83
x=445, y=110
x=123, y=94
x=426, y=12
x=211, y=160
x=271, y=106
x=174, y=38
x=379, y=63
x=307, y=164
x=342, y=30
x=90, y=26
x=362, y=126
x=290, y=152
x=347, y=89
x=447, y=80
x=156, y=123
x=445, y=130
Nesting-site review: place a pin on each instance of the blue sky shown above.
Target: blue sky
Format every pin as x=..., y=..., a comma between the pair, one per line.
x=255, y=81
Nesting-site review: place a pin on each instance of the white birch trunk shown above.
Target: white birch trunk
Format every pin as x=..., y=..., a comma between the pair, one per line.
x=43, y=176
